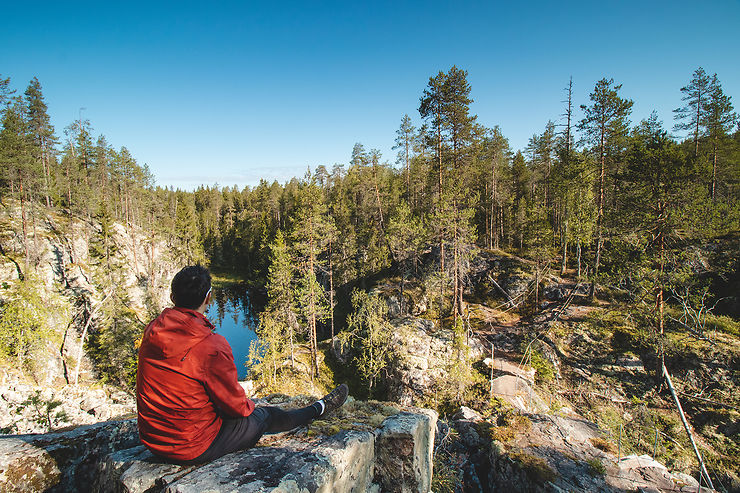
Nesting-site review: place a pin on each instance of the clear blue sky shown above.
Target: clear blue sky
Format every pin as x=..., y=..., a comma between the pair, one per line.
x=230, y=92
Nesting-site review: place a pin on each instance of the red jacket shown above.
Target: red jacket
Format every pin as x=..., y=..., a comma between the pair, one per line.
x=185, y=383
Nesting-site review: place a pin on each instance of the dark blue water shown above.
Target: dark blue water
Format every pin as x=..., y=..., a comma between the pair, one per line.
x=235, y=319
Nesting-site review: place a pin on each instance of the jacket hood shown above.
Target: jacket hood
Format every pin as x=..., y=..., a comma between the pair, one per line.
x=177, y=330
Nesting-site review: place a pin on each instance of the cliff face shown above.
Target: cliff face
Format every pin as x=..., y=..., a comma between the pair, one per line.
x=394, y=455
x=72, y=284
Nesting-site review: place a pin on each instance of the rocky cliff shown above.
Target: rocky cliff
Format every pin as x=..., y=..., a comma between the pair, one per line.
x=364, y=447
x=63, y=274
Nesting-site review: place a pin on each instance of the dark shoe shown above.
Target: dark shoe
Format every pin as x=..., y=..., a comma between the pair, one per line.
x=334, y=399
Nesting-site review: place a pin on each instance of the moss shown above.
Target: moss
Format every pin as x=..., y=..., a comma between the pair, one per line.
x=536, y=468
x=509, y=425
x=545, y=372
x=596, y=467
x=354, y=415
x=445, y=474
x=603, y=445
x=722, y=323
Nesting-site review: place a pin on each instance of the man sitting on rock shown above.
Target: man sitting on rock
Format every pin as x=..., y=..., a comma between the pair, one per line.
x=191, y=408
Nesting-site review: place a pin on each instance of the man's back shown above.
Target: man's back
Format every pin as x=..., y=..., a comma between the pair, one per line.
x=186, y=382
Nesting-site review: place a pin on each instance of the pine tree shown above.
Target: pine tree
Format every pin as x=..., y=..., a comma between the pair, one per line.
x=696, y=95
x=406, y=236
x=657, y=171
x=719, y=118
x=17, y=163
x=308, y=235
x=605, y=121
x=369, y=327
x=281, y=295
x=405, y=136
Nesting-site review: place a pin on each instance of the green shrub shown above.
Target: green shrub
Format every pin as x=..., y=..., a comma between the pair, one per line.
x=23, y=321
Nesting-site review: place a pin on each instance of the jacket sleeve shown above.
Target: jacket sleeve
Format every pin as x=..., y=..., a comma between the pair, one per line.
x=223, y=386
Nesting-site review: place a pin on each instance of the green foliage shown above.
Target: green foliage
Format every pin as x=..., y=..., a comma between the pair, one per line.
x=596, y=467
x=23, y=321
x=114, y=341
x=370, y=335
x=44, y=412
x=445, y=474
x=545, y=372
x=537, y=469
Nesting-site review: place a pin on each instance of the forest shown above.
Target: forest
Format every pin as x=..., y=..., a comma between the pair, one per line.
x=600, y=195
x=611, y=203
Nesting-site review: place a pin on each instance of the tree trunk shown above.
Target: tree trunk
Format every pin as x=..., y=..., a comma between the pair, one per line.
x=714, y=167
x=564, y=242
x=23, y=222
x=331, y=292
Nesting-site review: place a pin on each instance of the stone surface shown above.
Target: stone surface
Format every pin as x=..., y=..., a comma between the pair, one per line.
x=518, y=393
x=24, y=467
x=107, y=457
x=63, y=461
x=403, y=452
x=550, y=453
x=423, y=358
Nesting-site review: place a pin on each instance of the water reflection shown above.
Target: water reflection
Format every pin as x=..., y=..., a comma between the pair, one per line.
x=235, y=318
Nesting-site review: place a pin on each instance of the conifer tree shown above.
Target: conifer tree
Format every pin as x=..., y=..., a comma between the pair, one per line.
x=405, y=136
x=369, y=327
x=309, y=234
x=696, y=95
x=605, y=121
x=719, y=118
x=40, y=132
x=281, y=295
x=17, y=164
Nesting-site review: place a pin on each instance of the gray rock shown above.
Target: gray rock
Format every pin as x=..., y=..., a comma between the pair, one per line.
x=108, y=458
x=64, y=461
x=403, y=452
x=25, y=467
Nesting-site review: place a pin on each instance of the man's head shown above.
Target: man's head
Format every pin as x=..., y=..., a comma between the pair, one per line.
x=191, y=286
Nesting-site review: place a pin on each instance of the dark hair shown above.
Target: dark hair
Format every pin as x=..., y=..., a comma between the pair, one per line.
x=190, y=286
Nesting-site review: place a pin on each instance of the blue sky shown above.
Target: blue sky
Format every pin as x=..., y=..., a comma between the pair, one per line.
x=231, y=92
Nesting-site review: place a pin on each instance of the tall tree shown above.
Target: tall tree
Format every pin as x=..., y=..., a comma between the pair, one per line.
x=718, y=119
x=605, y=120
x=431, y=107
x=691, y=115
x=16, y=161
x=309, y=236
x=657, y=170
x=40, y=131
x=405, y=136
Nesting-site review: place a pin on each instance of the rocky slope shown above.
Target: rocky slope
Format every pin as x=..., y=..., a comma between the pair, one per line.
x=572, y=388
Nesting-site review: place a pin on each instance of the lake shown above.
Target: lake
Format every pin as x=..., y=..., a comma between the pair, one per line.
x=234, y=317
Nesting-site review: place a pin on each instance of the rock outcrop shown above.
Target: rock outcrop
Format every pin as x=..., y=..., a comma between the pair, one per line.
x=549, y=453
x=423, y=356
x=107, y=457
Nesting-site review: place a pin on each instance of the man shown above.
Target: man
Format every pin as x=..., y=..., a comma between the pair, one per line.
x=191, y=408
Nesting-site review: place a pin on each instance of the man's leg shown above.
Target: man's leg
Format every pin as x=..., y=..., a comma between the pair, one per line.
x=243, y=433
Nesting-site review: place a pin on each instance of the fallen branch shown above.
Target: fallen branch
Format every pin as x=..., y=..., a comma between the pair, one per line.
x=704, y=472
x=710, y=401
x=618, y=400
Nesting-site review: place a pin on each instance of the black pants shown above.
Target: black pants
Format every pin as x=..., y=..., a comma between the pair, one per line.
x=243, y=433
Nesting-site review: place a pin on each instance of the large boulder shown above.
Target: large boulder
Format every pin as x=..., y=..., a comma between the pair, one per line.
x=388, y=452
